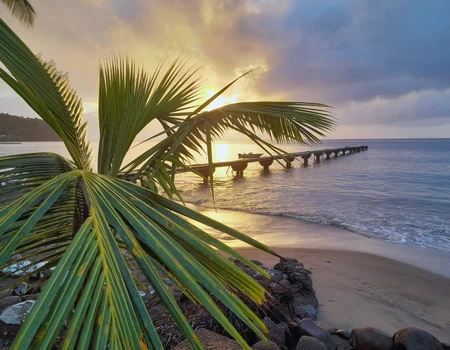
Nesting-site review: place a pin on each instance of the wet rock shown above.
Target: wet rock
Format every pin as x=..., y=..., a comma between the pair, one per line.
x=210, y=340
x=8, y=301
x=309, y=328
x=21, y=288
x=277, y=331
x=300, y=312
x=17, y=313
x=262, y=345
x=311, y=311
x=329, y=329
x=310, y=343
x=370, y=338
x=344, y=334
x=415, y=339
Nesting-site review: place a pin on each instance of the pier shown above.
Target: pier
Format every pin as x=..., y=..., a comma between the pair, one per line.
x=238, y=166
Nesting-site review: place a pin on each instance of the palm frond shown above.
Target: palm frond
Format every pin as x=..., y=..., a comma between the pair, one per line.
x=22, y=10
x=129, y=100
x=47, y=92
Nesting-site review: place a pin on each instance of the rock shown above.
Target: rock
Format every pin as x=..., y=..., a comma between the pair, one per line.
x=309, y=328
x=17, y=313
x=310, y=343
x=300, y=312
x=415, y=339
x=251, y=272
x=285, y=283
x=277, y=331
x=30, y=297
x=304, y=299
x=446, y=346
x=21, y=288
x=210, y=340
x=341, y=344
x=262, y=345
x=302, y=278
x=370, y=338
x=257, y=262
x=311, y=311
x=8, y=301
x=22, y=268
x=329, y=329
x=278, y=278
x=279, y=313
x=344, y=334
x=259, y=277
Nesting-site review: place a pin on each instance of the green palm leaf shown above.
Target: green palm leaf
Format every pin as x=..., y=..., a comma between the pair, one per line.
x=22, y=10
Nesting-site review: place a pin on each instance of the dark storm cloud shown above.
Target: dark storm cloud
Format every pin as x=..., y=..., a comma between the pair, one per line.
x=360, y=50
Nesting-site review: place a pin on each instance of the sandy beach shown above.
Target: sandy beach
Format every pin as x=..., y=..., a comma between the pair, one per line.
x=359, y=281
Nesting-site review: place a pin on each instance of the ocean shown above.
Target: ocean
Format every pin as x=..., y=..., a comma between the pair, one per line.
x=398, y=191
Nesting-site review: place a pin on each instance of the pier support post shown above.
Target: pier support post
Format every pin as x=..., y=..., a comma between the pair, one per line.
x=204, y=172
x=289, y=160
x=318, y=154
x=306, y=157
x=266, y=163
x=239, y=168
x=328, y=154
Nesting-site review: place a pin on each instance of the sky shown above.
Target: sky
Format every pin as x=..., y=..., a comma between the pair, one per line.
x=383, y=65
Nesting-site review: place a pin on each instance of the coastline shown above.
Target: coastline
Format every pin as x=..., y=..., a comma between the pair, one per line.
x=359, y=281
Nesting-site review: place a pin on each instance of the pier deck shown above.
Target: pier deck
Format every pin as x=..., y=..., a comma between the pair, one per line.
x=239, y=165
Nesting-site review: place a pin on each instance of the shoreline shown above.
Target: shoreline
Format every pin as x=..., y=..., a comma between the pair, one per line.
x=360, y=282
x=357, y=289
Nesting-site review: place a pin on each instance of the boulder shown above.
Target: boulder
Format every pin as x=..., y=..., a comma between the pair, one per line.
x=329, y=329
x=277, y=331
x=17, y=313
x=30, y=296
x=309, y=328
x=8, y=301
x=311, y=311
x=301, y=277
x=210, y=340
x=415, y=339
x=262, y=345
x=310, y=343
x=446, y=346
x=371, y=338
x=21, y=288
x=341, y=344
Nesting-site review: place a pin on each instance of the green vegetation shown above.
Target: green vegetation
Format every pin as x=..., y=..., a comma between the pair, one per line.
x=22, y=10
x=14, y=128
x=93, y=226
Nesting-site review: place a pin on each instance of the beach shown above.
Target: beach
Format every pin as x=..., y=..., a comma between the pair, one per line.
x=359, y=282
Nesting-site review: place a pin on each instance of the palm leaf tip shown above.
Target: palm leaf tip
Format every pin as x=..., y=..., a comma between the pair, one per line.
x=22, y=10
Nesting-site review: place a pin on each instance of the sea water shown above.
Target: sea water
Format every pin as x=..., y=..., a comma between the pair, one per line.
x=397, y=191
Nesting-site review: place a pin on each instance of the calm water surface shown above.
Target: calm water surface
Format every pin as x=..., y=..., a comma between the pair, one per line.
x=398, y=191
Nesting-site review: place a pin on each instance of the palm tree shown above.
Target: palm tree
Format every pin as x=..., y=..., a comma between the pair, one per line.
x=22, y=10
x=90, y=226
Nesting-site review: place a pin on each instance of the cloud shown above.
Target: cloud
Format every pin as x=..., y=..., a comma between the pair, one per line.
x=379, y=62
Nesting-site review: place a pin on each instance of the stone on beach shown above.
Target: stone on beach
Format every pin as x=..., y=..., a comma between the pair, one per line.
x=17, y=313
x=309, y=328
x=8, y=301
x=416, y=339
x=370, y=338
x=310, y=343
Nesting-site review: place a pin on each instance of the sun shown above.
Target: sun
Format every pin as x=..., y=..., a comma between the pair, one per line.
x=220, y=101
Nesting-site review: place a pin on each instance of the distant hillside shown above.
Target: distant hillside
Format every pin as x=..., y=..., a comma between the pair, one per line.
x=14, y=128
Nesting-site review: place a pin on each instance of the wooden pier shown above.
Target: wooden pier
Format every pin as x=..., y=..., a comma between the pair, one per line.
x=240, y=165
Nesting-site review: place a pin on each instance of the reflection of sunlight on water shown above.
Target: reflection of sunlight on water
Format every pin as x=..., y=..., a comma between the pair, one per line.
x=221, y=152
